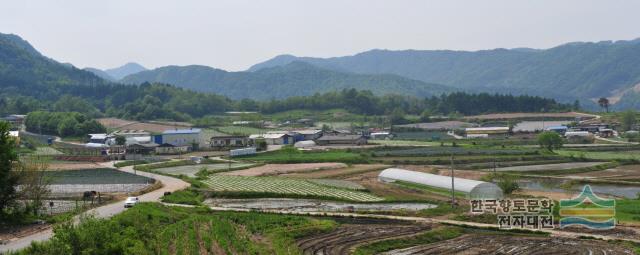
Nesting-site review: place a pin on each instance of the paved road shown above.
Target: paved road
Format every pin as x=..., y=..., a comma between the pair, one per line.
x=106, y=211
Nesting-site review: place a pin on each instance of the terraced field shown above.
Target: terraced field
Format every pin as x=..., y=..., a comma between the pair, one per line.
x=348, y=236
x=480, y=244
x=285, y=186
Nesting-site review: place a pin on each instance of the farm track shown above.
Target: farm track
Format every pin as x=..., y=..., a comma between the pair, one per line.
x=477, y=244
x=348, y=236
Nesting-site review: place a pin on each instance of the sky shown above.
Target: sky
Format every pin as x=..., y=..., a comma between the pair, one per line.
x=235, y=34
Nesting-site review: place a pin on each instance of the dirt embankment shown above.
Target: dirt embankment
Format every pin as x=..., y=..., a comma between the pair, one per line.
x=480, y=244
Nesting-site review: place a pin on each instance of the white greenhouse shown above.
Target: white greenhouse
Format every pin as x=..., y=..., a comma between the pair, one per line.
x=474, y=189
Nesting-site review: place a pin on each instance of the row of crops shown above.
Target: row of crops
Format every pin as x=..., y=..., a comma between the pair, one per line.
x=285, y=186
x=444, y=151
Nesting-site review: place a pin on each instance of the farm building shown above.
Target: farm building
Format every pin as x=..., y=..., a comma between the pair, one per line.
x=167, y=148
x=309, y=134
x=474, y=189
x=180, y=137
x=558, y=129
x=274, y=139
x=137, y=148
x=486, y=131
x=130, y=133
x=15, y=135
x=97, y=138
x=242, y=152
x=379, y=135
x=342, y=140
x=227, y=141
x=15, y=120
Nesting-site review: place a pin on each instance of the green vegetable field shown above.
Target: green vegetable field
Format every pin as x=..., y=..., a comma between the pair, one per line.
x=286, y=186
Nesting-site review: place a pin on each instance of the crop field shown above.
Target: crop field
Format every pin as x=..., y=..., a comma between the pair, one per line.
x=479, y=244
x=277, y=169
x=46, y=151
x=338, y=184
x=284, y=186
x=191, y=170
x=404, y=143
x=602, y=155
x=349, y=236
x=282, y=157
x=444, y=151
x=549, y=167
x=532, y=115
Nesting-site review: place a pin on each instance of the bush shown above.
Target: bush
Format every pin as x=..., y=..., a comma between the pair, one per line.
x=550, y=140
x=187, y=197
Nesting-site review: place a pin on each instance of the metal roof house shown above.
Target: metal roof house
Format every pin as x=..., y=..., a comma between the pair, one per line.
x=179, y=137
x=474, y=189
x=342, y=140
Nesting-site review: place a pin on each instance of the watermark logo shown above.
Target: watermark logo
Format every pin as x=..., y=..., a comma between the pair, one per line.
x=588, y=210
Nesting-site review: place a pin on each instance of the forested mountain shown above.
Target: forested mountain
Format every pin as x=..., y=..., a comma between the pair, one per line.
x=24, y=70
x=100, y=73
x=124, y=70
x=115, y=74
x=571, y=71
x=292, y=79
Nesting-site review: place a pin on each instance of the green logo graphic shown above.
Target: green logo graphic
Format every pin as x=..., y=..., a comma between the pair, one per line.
x=589, y=210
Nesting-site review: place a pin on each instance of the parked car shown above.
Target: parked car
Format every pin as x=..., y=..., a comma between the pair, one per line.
x=131, y=201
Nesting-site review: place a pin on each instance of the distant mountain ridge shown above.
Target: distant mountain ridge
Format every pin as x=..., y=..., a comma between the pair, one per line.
x=117, y=73
x=581, y=70
x=293, y=79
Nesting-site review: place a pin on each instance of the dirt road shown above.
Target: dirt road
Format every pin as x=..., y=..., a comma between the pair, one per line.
x=169, y=184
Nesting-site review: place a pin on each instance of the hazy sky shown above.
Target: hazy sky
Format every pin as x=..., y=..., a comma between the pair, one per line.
x=235, y=34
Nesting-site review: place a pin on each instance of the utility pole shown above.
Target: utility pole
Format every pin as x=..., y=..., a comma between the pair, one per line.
x=453, y=190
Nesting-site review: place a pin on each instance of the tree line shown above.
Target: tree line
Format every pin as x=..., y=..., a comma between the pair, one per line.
x=161, y=101
x=62, y=123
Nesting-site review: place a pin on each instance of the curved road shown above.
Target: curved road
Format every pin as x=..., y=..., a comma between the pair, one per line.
x=169, y=184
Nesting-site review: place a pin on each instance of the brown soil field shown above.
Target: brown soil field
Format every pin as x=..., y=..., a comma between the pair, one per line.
x=277, y=169
x=114, y=122
x=480, y=244
x=339, y=173
x=621, y=173
x=347, y=237
x=520, y=115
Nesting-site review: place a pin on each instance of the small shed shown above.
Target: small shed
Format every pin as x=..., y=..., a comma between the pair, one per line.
x=474, y=189
x=141, y=148
x=167, y=148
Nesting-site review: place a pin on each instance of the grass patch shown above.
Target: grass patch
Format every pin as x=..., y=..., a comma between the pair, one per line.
x=151, y=228
x=431, y=236
x=602, y=155
x=187, y=197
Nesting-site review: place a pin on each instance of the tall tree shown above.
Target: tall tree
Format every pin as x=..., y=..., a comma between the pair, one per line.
x=8, y=178
x=604, y=103
x=628, y=120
